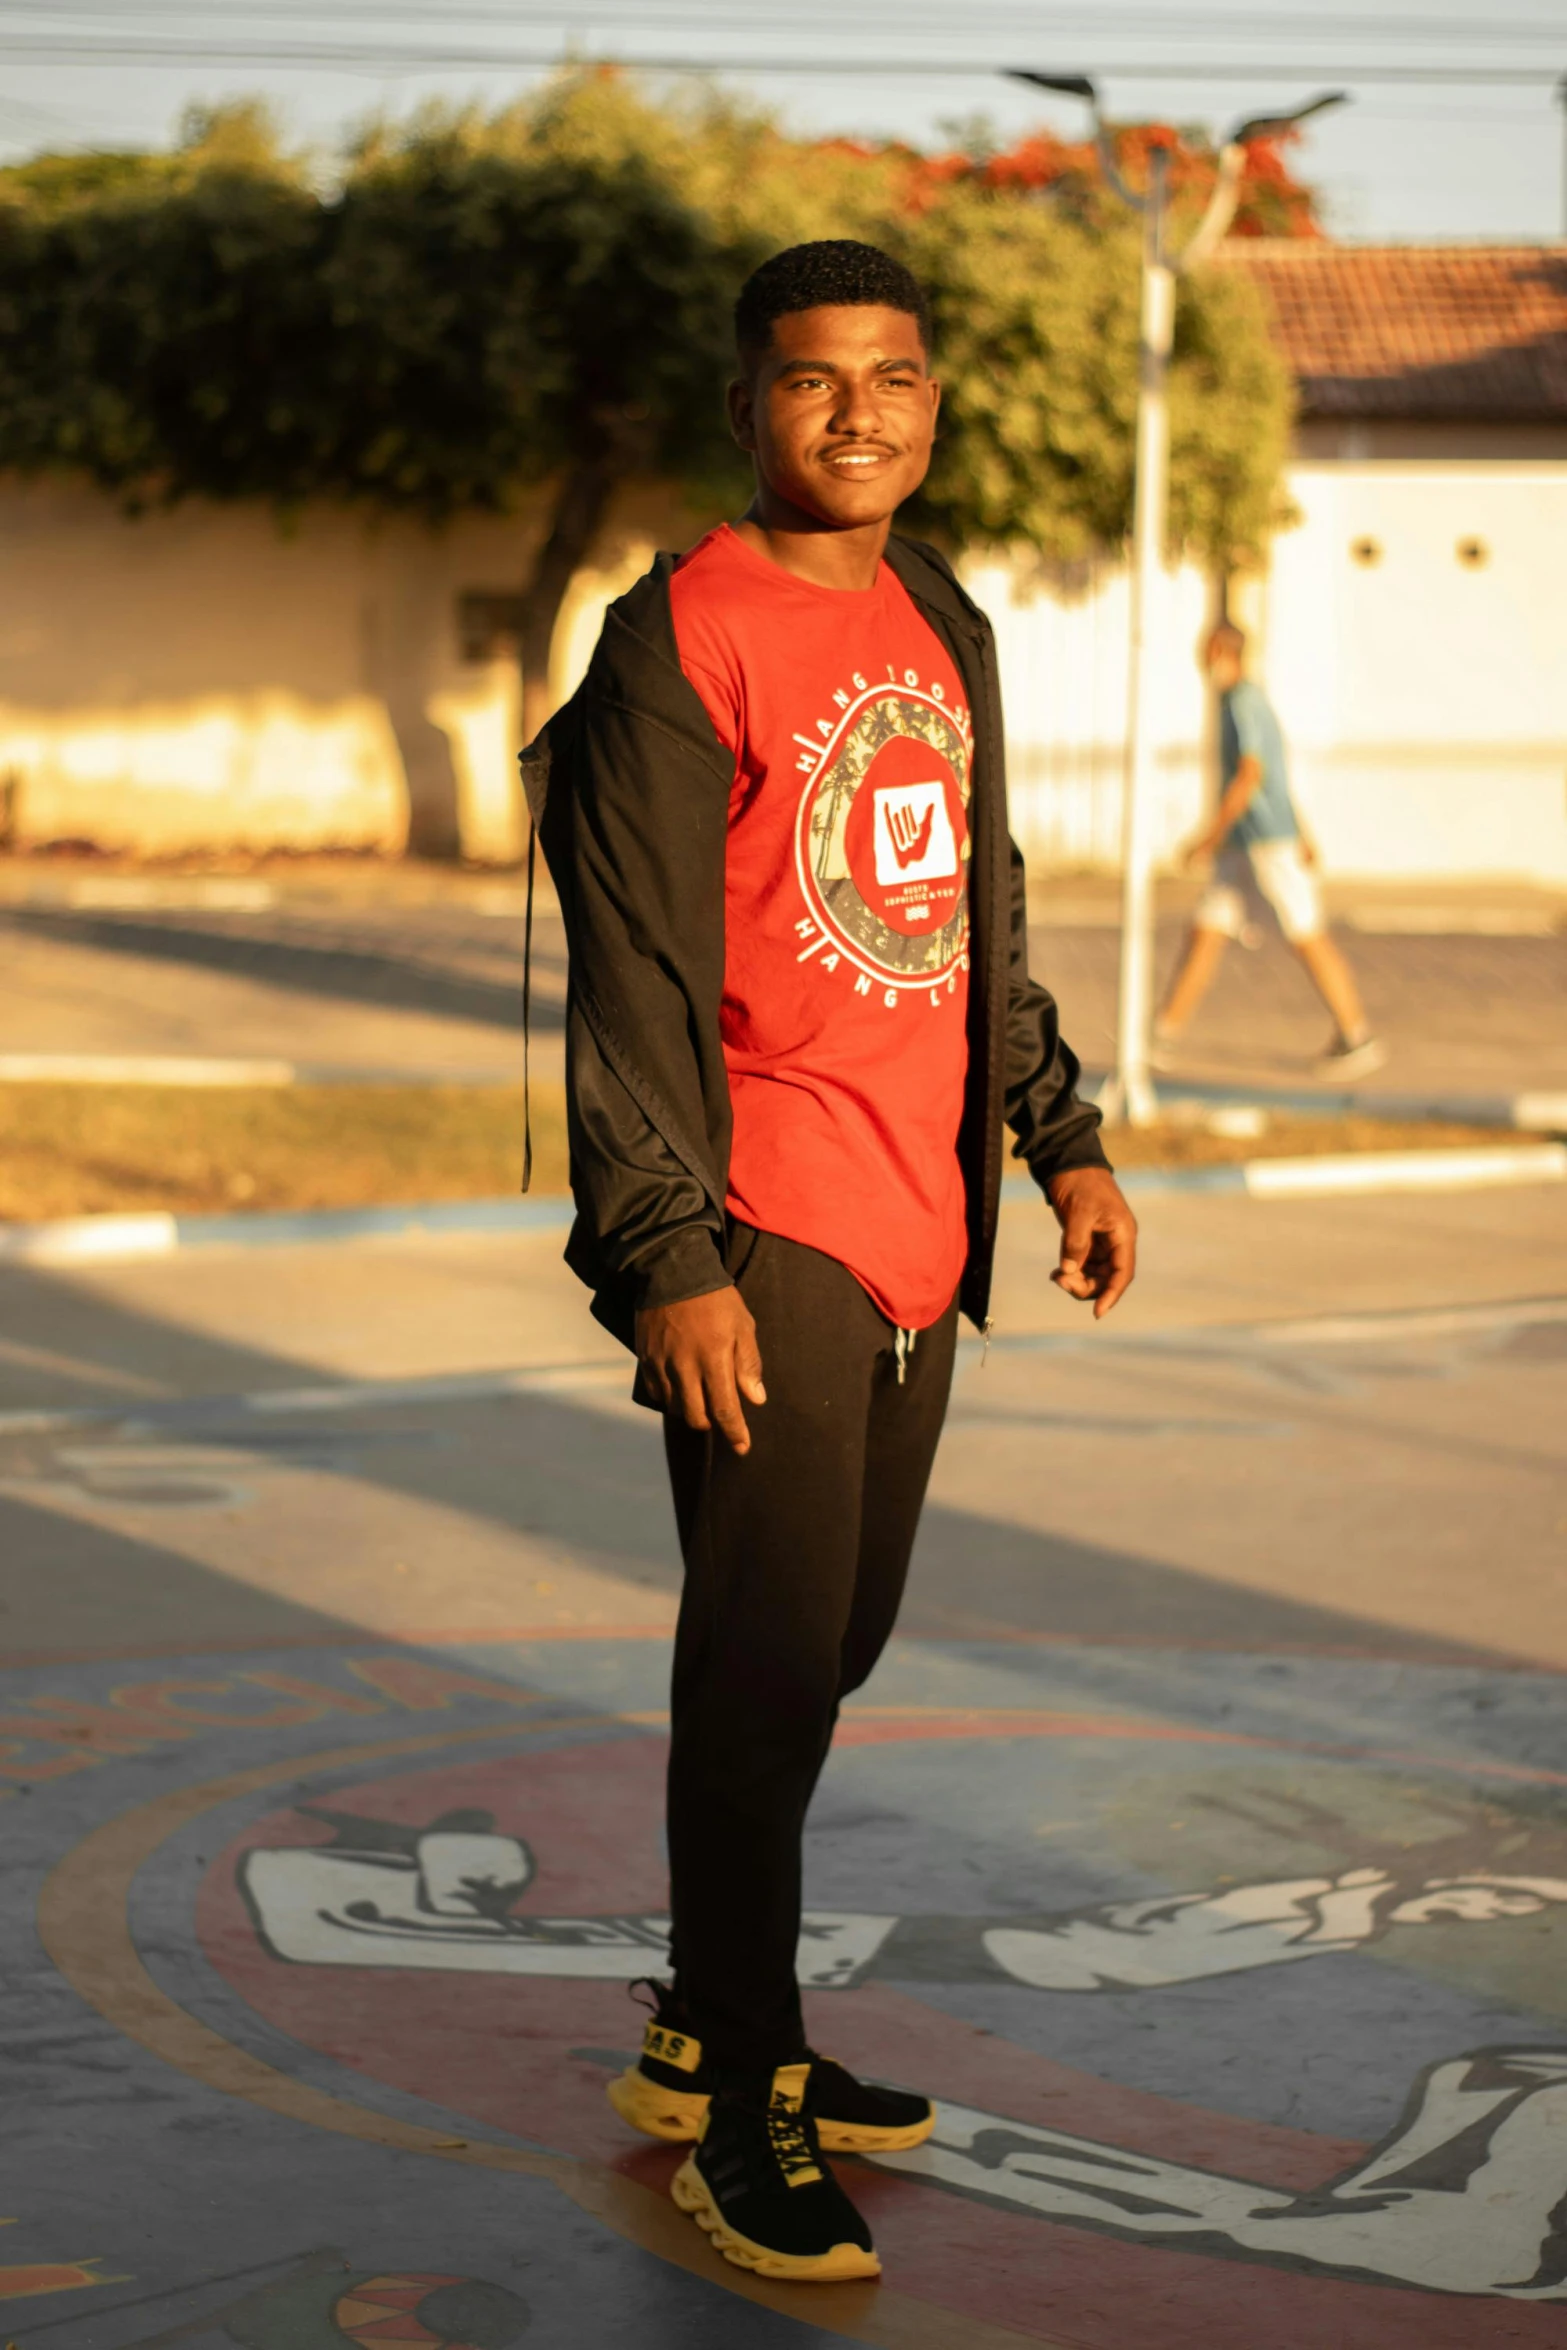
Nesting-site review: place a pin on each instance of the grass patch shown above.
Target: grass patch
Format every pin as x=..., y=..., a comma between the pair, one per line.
x=78, y=1150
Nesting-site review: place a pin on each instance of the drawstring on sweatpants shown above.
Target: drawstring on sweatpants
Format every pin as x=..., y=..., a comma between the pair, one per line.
x=903, y=1343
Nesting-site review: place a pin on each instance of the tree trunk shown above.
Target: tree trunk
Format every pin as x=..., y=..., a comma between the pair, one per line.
x=580, y=507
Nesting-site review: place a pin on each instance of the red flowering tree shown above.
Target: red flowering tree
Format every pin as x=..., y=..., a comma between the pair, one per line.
x=1273, y=202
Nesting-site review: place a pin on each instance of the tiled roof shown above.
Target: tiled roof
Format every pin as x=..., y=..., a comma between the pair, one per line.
x=1453, y=332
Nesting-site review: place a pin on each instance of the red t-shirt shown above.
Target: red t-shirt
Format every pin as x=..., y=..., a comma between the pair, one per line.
x=846, y=914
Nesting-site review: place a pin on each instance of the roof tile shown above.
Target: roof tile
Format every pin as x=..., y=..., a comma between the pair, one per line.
x=1449, y=332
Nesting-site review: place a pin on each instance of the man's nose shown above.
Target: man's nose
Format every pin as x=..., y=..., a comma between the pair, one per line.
x=857, y=409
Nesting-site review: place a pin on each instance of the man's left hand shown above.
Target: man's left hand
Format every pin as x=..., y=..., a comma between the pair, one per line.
x=1098, y=1237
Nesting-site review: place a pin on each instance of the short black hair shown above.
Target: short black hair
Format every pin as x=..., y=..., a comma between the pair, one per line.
x=833, y=271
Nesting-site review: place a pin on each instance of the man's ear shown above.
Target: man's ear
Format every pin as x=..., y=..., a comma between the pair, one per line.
x=741, y=398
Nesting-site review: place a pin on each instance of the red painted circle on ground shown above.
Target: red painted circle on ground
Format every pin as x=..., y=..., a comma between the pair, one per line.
x=530, y=2055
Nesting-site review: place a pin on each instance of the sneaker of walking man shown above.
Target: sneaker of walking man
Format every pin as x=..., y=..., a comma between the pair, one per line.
x=799, y=1018
x=1260, y=850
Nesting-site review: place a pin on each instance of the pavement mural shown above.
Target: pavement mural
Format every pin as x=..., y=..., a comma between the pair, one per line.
x=1245, y=2024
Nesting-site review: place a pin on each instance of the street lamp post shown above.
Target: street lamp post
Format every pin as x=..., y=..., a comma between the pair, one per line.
x=1129, y=1092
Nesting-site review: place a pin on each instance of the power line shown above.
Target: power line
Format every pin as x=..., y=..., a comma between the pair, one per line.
x=381, y=59
x=1098, y=30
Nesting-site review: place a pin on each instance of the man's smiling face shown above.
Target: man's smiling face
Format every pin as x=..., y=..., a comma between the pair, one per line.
x=840, y=413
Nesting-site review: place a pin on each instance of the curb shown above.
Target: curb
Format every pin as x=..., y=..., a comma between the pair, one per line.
x=1528, y=1113
x=118, y=1239
x=195, y=1071
x=1365, y=1171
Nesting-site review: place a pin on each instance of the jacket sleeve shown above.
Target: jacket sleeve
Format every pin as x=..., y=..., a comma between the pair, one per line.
x=1055, y=1131
x=643, y=872
x=658, y=1234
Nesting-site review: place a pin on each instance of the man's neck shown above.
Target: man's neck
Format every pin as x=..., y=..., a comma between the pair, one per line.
x=798, y=543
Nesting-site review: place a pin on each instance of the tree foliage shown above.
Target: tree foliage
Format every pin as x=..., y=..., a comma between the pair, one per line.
x=1037, y=332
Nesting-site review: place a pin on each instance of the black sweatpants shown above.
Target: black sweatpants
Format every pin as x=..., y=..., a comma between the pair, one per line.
x=795, y=1556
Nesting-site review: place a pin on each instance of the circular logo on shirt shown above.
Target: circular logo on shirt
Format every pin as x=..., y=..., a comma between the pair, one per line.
x=882, y=841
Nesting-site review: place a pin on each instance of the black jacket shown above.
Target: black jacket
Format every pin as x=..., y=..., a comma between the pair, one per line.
x=629, y=788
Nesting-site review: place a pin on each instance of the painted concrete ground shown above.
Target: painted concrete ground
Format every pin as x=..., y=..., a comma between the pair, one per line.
x=1233, y=1954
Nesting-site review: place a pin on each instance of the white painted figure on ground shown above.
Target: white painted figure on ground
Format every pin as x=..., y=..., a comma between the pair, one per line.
x=1469, y=2195
x=1189, y=1937
x=443, y=1897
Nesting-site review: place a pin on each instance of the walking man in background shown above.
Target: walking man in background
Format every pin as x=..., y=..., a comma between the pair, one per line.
x=799, y=1017
x=1260, y=849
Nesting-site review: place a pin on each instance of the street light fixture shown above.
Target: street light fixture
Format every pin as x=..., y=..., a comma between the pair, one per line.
x=1129, y=1093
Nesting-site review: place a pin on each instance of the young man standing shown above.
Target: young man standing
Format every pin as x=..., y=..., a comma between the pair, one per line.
x=800, y=1013
x=1259, y=849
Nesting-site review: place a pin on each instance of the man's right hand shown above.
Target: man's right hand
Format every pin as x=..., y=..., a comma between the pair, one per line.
x=699, y=1358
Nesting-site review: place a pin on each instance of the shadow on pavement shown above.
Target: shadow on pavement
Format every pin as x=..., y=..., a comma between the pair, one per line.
x=407, y=974
x=538, y=1465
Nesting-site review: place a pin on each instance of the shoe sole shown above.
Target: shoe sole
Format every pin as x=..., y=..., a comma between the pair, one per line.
x=845, y=2261
x=1364, y=1062
x=859, y=2138
x=676, y=2115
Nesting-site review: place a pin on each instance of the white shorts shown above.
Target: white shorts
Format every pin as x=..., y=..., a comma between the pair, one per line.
x=1271, y=870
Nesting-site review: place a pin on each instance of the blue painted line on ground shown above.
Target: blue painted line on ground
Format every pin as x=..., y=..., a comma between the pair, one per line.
x=202, y=1072
x=109, y=1238
x=1542, y=1112
x=276, y=1229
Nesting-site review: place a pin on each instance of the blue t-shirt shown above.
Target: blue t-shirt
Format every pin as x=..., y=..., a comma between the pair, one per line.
x=1249, y=730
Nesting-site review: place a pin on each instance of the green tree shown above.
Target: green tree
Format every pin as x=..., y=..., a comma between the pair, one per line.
x=1037, y=336
x=533, y=302
x=161, y=322
x=544, y=300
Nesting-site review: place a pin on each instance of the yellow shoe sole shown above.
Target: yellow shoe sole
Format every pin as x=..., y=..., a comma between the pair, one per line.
x=837, y=2267
x=676, y=2116
x=858, y=2138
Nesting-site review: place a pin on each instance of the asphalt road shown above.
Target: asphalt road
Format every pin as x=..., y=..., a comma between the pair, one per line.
x=386, y=980
x=1204, y=1832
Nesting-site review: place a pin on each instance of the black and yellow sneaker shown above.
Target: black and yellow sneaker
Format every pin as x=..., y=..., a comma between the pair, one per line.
x=665, y=2093
x=757, y=2184
x=661, y=2094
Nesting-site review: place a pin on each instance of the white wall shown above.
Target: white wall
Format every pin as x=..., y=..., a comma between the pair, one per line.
x=205, y=678
x=1063, y=656
x=1425, y=702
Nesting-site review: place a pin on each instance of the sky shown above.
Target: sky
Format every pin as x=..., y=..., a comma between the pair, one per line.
x=1455, y=126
